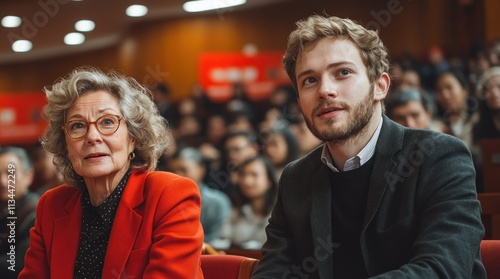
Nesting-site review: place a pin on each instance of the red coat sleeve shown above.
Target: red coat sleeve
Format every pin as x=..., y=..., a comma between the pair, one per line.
x=177, y=234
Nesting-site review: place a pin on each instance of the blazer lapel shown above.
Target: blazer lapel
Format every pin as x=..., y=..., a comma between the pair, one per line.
x=321, y=220
x=383, y=173
x=66, y=236
x=125, y=226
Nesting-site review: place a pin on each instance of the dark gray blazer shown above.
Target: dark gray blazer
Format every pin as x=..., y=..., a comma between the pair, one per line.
x=422, y=217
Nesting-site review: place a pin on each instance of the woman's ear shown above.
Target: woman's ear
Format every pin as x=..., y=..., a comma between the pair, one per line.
x=382, y=85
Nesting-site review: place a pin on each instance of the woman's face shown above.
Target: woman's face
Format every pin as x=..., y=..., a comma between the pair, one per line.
x=276, y=149
x=492, y=92
x=96, y=155
x=254, y=182
x=451, y=96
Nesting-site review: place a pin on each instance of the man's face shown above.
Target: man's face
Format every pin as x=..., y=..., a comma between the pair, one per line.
x=411, y=114
x=335, y=94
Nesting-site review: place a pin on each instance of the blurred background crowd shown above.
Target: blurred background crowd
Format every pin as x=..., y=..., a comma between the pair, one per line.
x=235, y=150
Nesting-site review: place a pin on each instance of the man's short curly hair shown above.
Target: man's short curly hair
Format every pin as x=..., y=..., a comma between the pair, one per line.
x=145, y=125
x=373, y=52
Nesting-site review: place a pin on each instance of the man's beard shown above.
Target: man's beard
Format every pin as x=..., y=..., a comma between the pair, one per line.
x=359, y=116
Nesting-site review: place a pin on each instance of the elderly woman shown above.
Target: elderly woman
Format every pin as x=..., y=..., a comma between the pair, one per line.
x=488, y=126
x=489, y=108
x=116, y=217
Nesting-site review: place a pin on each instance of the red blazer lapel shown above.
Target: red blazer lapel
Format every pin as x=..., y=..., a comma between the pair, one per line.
x=65, y=239
x=125, y=226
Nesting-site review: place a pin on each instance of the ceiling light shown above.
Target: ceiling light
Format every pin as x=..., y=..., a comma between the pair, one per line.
x=11, y=21
x=136, y=10
x=84, y=25
x=74, y=38
x=206, y=5
x=22, y=46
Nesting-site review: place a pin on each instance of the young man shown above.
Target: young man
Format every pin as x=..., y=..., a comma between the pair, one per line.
x=376, y=200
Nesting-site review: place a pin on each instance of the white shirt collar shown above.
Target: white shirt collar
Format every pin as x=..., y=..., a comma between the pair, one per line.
x=360, y=159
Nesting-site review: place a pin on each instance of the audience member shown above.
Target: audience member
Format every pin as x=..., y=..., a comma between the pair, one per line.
x=240, y=121
x=377, y=200
x=189, y=130
x=215, y=205
x=433, y=66
x=46, y=176
x=245, y=228
x=411, y=107
x=238, y=147
x=283, y=100
x=162, y=99
x=307, y=140
x=115, y=216
x=18, y=206
x=280, y=147
x=410, y=79
x=454, y=107
x=212, y=147
x=488, y=125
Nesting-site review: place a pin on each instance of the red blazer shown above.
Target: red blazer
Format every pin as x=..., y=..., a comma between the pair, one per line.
x=156, y=232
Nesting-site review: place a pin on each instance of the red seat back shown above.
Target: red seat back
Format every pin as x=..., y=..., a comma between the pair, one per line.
x=490, y=254
x=227, y=266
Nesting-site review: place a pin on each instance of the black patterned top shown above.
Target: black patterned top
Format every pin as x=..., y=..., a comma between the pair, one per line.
x=96, y=228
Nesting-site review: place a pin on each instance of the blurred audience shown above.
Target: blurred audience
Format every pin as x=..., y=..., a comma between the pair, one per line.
x=16, y=201
x=488, y=125
x=215, y=205
x=307, y=141
x=280, y=147
x=246, y=226
x=411, y=107
x=162, y=99
x=238, y=147
x=46, y=175
x=455, y=108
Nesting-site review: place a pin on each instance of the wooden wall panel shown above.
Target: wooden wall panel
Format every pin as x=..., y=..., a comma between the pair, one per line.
x=492, y=8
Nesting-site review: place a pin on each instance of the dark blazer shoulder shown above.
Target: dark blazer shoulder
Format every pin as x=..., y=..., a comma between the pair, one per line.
x=394, y=137
x=308, y=162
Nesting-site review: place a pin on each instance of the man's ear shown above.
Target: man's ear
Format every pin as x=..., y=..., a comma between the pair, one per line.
x=381, y=87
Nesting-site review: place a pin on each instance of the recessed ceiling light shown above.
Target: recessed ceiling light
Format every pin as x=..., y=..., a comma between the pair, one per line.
x=136, y=11
x=22, y=46
x=84, y=25
x=74, y=38
x=11, y=21
x=206, y=5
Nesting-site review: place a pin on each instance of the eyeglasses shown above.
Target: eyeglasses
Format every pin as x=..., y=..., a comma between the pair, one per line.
x=106, y=125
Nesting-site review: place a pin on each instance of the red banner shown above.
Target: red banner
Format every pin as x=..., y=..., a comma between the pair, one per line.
x=20, y=117
x=259, y=73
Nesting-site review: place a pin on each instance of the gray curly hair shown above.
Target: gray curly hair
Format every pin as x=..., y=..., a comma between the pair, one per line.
x=145, y=125
x=373, y=52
